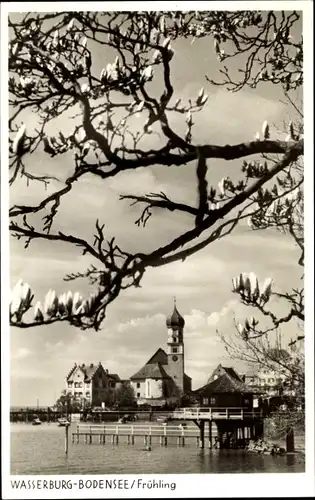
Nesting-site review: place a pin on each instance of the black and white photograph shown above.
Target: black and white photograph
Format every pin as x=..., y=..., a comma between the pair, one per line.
x=157, y=249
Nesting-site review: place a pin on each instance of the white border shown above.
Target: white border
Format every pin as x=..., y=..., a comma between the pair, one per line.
x=192, y=485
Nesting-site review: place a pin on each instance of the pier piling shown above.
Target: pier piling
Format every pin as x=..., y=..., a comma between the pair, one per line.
x=66, y=439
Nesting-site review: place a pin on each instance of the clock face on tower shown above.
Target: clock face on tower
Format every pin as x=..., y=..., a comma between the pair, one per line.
x=174, y=358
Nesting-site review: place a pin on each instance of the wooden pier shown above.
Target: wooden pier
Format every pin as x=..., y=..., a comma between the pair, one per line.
x=218, y=427
x=113, y=434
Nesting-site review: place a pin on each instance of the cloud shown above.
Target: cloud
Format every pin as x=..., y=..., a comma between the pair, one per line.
x=21, y=353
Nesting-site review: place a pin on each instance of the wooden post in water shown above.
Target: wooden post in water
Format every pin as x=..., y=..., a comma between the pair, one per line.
x=66, y=438
x=290, y=440
x=210, y=434
x=202, y=434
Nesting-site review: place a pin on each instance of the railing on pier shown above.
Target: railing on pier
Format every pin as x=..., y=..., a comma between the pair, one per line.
x=100, y=433
x=138, y=430
x=207, y=413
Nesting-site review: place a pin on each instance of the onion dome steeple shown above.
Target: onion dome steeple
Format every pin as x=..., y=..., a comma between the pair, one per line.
x=175, y=320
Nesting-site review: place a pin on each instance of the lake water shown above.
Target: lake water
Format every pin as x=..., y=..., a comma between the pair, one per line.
x=40, y=450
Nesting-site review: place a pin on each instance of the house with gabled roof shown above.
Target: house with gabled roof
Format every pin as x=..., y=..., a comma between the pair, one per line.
x=221, y=370
x=162, y=380
x=225, y=389
x=91, y=384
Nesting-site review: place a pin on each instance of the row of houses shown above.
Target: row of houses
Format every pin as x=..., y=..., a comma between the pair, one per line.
x=162, y=380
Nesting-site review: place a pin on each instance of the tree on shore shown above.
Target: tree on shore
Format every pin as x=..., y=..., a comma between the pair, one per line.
x=67, y=403
x=125, y=395
x=52, y=72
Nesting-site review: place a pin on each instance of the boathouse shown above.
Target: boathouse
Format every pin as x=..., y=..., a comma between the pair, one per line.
x=225, y=389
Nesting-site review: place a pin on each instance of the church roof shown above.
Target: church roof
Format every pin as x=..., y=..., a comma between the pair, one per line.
x=225, y=383
x=159, y=356
x=150, y=370
x=175, y=319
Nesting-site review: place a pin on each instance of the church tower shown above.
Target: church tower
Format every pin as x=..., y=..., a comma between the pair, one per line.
x=175, y=349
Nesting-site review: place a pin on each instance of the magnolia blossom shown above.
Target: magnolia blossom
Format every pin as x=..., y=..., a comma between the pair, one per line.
x=254, y=286
x=265, y=130
x=14, y=49
x=21, y=297
x=77, y=302
x=19, y=139
x=26, y=81
x=162, y=24
x=147, y=73
x=85, y=88
x=156, y=56
x=38, y=315
x=55, y=41
x=257, y=136
x=221, y=186
x=62, y=301
x=70, y=25
x=139, y=107
x=166, y=42
x=83, y=42
x=266, y=290
x=51, y=303
x=69, y=302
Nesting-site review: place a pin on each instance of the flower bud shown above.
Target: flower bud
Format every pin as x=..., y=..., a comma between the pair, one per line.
x=62, y=300
x=266, y=289
x=85, y=88
x=26, y=295
x=55, y=41
x=70, y=25
x=69, y=302
x=265, y=130
x=189, y=120
x=19, y=140
x=156, y=56
x=38, y=315
x=51, y=303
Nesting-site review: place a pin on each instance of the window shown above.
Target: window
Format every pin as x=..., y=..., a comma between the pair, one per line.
x=138, y=385
x=174, y=349
x=138, y=394
x=88, y=394
x=246, y=401
x=212, y=401
x=70, y=384
x=205, y=401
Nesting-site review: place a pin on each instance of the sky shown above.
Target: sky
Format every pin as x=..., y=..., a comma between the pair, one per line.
x=135, y=327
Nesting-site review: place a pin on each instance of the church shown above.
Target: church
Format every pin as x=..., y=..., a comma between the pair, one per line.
x=162, y=380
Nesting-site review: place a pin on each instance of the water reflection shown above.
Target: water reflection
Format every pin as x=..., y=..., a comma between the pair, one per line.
x=41, y=451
